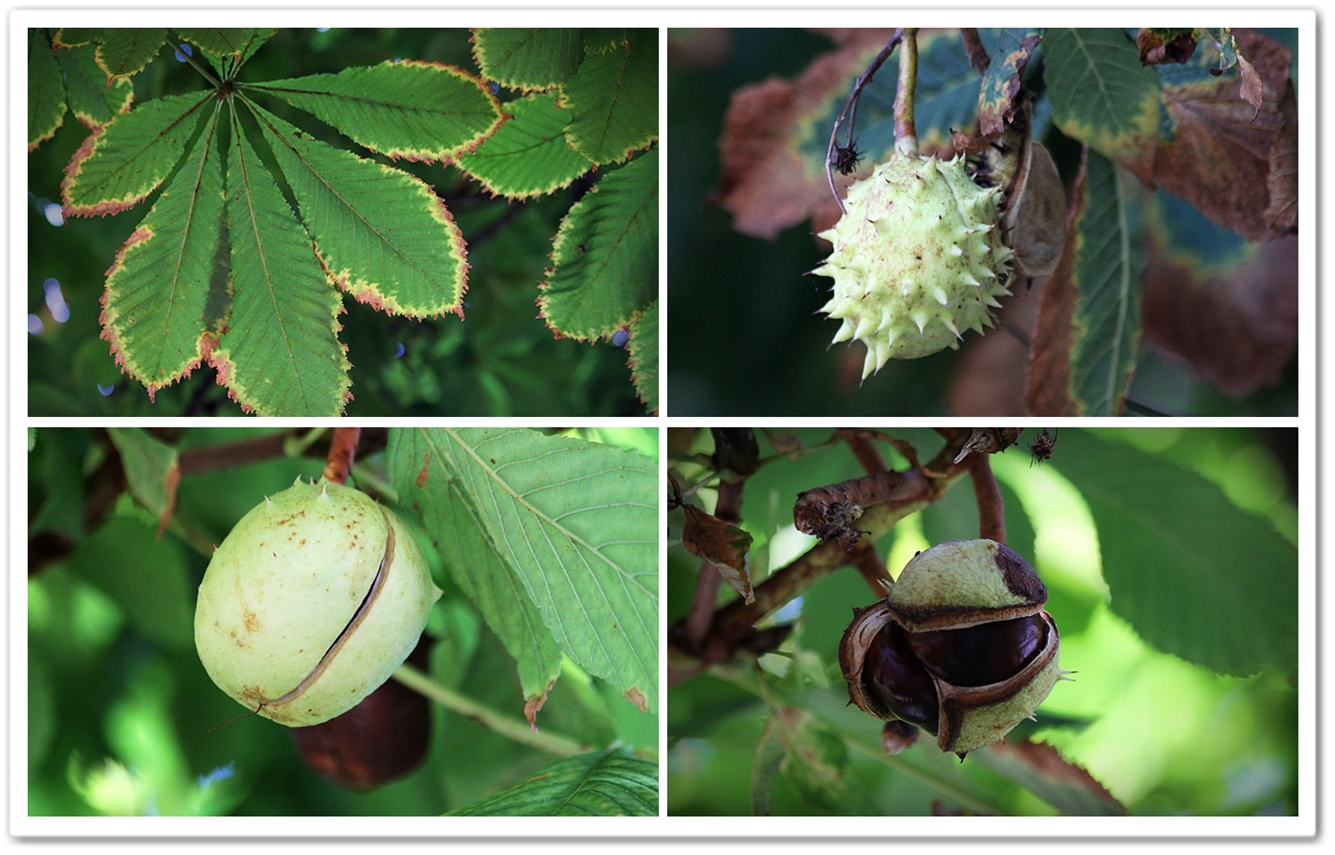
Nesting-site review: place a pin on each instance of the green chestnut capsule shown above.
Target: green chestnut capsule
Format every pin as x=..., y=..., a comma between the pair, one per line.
x=311, y=602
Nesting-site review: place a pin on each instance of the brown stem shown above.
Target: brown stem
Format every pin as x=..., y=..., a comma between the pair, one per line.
x=973, y=46
x=864, y=449
x=871, y=565
x=342, y=452
x=991, y=507
x=906, y=132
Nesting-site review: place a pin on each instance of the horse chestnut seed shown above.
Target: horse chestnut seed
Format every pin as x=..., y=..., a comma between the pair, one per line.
x=960, y=646
x=311, y=602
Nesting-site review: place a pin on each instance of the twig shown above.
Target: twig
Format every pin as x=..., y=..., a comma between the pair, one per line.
x=342, y=453
x=906, y=132
x=991, y=507
x=864, y=449
x=871, y=565
x=850, y=106
x=511, y=728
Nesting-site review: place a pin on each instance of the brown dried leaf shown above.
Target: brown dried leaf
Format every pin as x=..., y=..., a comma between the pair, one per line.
x=1160, y=47
x=764, y=184
x=722, y=544
x=1226, y=144
x=1240, y=330
x=1048, y=384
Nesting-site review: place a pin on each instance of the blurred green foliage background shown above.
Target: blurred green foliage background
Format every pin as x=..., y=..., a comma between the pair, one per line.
x=122, y=718
x=1164, y=734
x=500, y=361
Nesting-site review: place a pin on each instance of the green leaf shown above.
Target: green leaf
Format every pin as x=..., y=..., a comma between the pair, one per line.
x=409, y=109
x=280, y=355
x=605, y=255
x=124, y=52
x=92, y=103
x=603, y=40
x=382, y=235
x=1107, y=276
x=68, y=37
x=1195, y=575
x=428, y=487
x=643, y=347
x=152, y=469
x=529, y=155
x=226, y=41
x=46, y=92
x=578, y=524
x=614, y=97
x=120, y=163
x=1101, y=94
x=528, y=59
x=157, y=294
x=145, y=575
x=610, y=783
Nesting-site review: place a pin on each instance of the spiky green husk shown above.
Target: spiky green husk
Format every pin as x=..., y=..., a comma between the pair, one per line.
x=917, y=259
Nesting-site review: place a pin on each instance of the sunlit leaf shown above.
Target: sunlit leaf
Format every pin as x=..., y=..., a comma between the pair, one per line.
x=603, y=784
x=145, y=575
x=381, y=234
x=614, y=98
x=158, y=288
x=529, y=155
x=528, y=59
x=577, y=523
x=280, y=354
x=120, y=163
x=409, y=109
x=428, y=487
x=1195, y=575
x=605, y=255
x=46, y=96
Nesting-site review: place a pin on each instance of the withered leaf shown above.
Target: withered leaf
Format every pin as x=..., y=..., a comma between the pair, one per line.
x=1233, y=136
x=722, y=544
x=765, y=183
x=1237, y=328
x=1159, y=46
